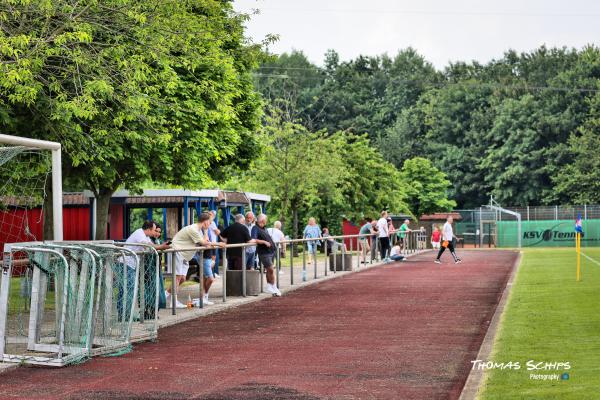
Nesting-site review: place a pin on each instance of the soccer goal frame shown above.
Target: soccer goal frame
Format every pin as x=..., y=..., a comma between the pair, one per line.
x=54, y=329
x=498, y=211
x=57, y=193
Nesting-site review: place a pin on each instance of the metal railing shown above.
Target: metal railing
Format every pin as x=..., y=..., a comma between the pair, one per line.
x=340, y=245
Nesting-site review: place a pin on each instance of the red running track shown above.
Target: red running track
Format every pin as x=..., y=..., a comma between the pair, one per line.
x=403, y=331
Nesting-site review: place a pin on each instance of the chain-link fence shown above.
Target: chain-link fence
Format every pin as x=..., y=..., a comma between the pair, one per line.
x=540, y=226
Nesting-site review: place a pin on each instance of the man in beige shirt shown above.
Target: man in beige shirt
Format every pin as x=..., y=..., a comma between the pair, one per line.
x=187, y=238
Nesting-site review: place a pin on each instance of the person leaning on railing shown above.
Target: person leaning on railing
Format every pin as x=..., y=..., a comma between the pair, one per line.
x=251, y=250
x=236, y=233
x=266, y=252
x=403, y=234
x=162, y=299
x=141, y=235
x=213, y=233
x=189, y=237
x=367, y=228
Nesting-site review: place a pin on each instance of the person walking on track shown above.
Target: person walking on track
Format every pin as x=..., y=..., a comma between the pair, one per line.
x=447, y=241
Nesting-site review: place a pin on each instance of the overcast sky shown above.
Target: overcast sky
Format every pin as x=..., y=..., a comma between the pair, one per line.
x=442, y=31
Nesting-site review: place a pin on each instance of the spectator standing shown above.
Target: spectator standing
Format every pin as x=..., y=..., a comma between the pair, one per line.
x=265, y=250
x=213, y=233
x=251, y=250
x=277, y=235
x=236, y=233
x=422, y=238
x=368, y=228
x=436, y=237
x=383, y=235
x=403, y=233
x=312, y=231
x=162, y=299
x=391, y=231
x=142, y=235
x=190, y=236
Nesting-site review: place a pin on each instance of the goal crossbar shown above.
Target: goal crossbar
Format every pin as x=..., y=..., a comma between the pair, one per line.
x=57, y=194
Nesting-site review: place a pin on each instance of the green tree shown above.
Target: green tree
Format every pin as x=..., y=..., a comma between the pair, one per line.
x=426, y=187
x=134, y=91
x=296, y=169
x=369, y=186
x=579, y=181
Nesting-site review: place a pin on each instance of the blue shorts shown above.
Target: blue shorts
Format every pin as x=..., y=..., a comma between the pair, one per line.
x=207, y=266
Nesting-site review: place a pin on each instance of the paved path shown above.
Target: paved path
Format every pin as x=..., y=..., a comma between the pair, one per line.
x=402, y=331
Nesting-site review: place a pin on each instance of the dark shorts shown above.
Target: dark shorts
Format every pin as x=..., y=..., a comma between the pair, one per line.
x=266, y=260
x=234, y=263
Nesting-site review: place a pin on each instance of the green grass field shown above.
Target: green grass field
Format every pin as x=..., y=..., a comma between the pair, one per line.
x=549, y=318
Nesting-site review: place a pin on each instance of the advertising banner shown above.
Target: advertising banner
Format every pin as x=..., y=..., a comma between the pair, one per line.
x=548, y=233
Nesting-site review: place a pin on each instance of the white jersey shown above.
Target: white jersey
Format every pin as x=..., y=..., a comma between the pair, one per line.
x=447, y=233
x=138, y=236
x=382, y=227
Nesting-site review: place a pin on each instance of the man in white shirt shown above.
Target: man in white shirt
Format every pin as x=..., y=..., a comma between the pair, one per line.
x=447, y=238
x=141, y=235
x=383, y=236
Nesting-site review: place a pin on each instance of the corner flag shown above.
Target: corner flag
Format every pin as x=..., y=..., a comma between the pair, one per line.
x=578, y=227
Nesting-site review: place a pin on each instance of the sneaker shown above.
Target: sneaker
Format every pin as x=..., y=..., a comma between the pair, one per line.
x=437, y=261
x=207, y=302
x=272, y=289
x=180, y=305
x=457, y=261
x=217, y=276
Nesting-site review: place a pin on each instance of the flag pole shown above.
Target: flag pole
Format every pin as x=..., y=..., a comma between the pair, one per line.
x=578, y=249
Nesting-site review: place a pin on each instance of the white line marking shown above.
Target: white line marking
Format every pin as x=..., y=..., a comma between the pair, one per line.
x=591, y=259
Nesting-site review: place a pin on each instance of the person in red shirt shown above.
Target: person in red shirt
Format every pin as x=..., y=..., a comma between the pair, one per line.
x=436, y=237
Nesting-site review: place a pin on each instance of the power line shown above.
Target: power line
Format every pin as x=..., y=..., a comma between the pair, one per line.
x=427, y=12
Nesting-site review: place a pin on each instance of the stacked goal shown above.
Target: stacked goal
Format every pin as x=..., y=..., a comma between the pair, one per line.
x=59, y=301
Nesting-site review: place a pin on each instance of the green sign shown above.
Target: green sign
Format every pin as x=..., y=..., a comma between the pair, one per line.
x=548, y=233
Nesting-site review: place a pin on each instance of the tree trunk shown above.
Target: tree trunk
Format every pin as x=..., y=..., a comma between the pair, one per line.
x=295, y=220
x=48, y=232
x=102, y=209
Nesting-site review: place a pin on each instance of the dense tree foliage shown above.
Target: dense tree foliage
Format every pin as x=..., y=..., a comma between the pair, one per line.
x=426, y=187
x=134, y=90
x=321, y=175
x=499, y=129
x=579, y=180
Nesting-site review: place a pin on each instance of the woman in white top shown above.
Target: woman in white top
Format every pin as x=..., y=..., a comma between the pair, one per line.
x=447, y=237
x=277, y=236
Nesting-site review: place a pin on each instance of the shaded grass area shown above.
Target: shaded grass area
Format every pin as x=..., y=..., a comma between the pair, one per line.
x=20, y=296
x=549, y=318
